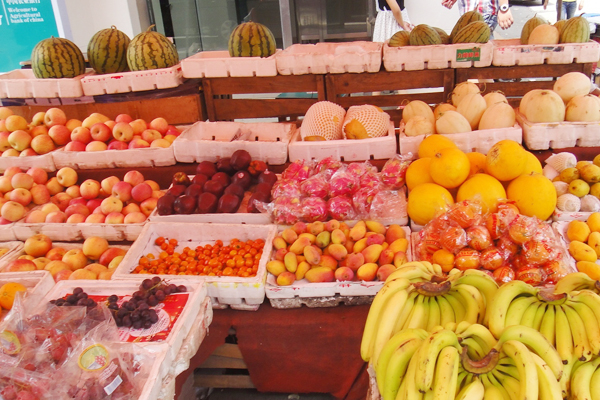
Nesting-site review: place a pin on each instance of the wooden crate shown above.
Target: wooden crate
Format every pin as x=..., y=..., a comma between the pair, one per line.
x=213, y=372
x=277, y=96
x=356, y=89
x=515, y=81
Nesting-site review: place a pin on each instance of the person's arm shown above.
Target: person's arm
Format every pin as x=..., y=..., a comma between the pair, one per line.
x=448, y=3
x=395, y=8
x=505, y=18
x=545, y=4
x=580, y=5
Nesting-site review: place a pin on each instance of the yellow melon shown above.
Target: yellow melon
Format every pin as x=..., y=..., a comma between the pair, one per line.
x=506, y=160
x=325, y=119
x=366, y=121
x=477, y=162
x=452, y=122
x=472, y=107
x=427, y=201
x=544, y=34
x=545, y=106
x=492, y=98
x=417, y=107
x=497, y=116
x=433, y=144
x=449, y=167
x=572, y=84
x=441, y=108
x=419, y=125
x=418, y=172
x=461, y=90
x=532, y=165
x=483, y=187
x=534, y=194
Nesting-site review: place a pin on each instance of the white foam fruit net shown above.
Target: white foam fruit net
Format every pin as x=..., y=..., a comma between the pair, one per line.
x=323, y=118
x=375, y=121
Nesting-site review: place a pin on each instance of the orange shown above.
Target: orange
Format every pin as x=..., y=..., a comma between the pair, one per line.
x=477, y=161
x=506, y=160
x=418, y=172
x=534, y=195
x=444, y=259
x=485, y=188
x=8, y=291
x=449, y=167
x=432, y=144
x=532, y=165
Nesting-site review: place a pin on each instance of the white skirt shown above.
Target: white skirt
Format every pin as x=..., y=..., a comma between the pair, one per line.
x=386, y=25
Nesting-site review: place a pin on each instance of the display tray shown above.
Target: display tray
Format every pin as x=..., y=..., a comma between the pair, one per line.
x=325, y=294
x=330, y=58
x=6, y=232
x=508, y=52
x=381, y=148
x=210, y=141
x=219, y=64
x=38, y=284
x=12, y=247
x=460, y=55
x=479, y=140
x=129, y=158
x=559, y=215
x=22, y=84
x=43, y=161
x=558, y=135
x=133, y=81
x=235, y=292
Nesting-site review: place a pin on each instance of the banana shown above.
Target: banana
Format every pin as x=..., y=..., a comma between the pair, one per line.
x=509, y=369
x=583, y=350
x=475, y=351
x=435, y=316
x=539, y=316
x=414, y=271
x=446, y=374
x=427, y=355
x=481, y=335
x=412, y=391
x=581, y=379
x=397, y=366
x=372, y=323
x=393, y=346
x=489, y=377
x=547, y=327
x=574, y=281
x=461, y=327
x=446, y=311
x=526, y=366
x=549, y=389
x=386, y=322
x=457, y=305
x=464, y=378
x=529, y=314
x=592, y=327
x=512, y=385
x=437, y=269
x=536, y=342
x=565, y=380
x=595, y=385
x=428, y=395
x=420, y=313
x=564, y=337
x=516, y=310
x=483, y=282
x=473, y=391
x=589, y=298
x=406, y=311
x=499, y=306
x=474, y=303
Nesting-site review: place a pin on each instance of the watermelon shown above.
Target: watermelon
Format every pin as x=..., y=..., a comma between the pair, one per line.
x=475, y=32
x=57, y=58
x=151, y=50
x=107, y=51
x=400, y=38
x=251, y=39
x=423, y=35
x=465, y=20
x=575, y=30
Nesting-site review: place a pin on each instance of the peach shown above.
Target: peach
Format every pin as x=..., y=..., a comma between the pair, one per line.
x=83, y=274
x=100, y=132
x=91, y=120
x=276, y=267
x=384, y=271
x=320, y=274
x=123, y=118
x=367, y=272
x=77, y=208
x=94, y=246
x=303, y=266
x=56, y=253
x=20, y=265
x=108, y=183
x=150, y=135
x=122, y=191
x=328, y=261
x=393, y=233
x=169, y=138
x=5, y=112
x=344, y=274
x=11, y=171
x=62, y=275
x=111, y=204
x=337, y=251
x=89, y=189
x=28, y=152
x=139, y=126
x=41, y=144
x=26, y=257
x=152, y=184
x=5, y=185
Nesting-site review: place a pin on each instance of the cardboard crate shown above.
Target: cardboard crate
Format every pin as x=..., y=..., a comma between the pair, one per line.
x=509, y=52
x=459, y=55
x=219, y=64
x=22, y=84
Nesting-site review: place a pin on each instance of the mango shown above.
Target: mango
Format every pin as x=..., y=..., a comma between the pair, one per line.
x=593, y=222
x=350, y=245
x=338, y=237
x=323, y=239
x=329, y=262
x=279, y=243
x=384, y=271
x=286, y=278
x=337, y=251
x=372, y=253
x=354, y=261
x=367, y=272
x=344, y=274
x=298, y=246
x=300, y=258
x=332, y=225
x=385, y=245
x=276, y=267
x=301, y=270
x=312, y=238
x=578, y=231
x=393, y=233
x=590, y=268
x=590, y=173
x=343, y=227
x=594, y=242
x=320, y=274
x=280, y=254
x=313, y=257
x=316, y=227
x=400, y=244
x=299, y=227
x=582, y=252
x=290, y=261
x=358, y=231
x=360, y=245
x=399, y=259
x=375, y=226
x=375, y=238
x=289, y=235
x=386, y=257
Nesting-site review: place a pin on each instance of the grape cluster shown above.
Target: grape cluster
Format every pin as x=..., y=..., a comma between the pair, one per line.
x=136, y=312
x=77, y=298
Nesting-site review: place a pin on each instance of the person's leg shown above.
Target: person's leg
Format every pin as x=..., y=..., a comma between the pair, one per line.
x=571, y=8
x=563, y=14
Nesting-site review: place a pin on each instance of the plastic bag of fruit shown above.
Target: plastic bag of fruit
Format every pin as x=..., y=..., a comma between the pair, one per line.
x=21, y=384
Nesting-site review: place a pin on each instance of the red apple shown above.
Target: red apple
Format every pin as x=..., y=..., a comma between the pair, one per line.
x=96, y=145
x=49, y=207
x=138, y=144
x=75, y=259
x=114, y=218
x=134, y=218
x=19, y=140
x=22, y=196
x=22, y=180
x=66, y=176
x=123, y=132
x=37, y=245
x=56, y=217
x=73, y=191
x=78, y=200
x=107, y=183
x=38, y=119
x=62, y=275
x=148, y=205
x=75, y=145
x=94, y=246
x=62, y=200
x=38, y=130
x=129, y=208
x=89, y=189
x=42, y=144
x=93, y=204
x=28, y=153
x=100, y=132
x=122, y=191
x=77, y=209
x=116, y=145
x=110, y=254
x=54, y=186
x=35, y=217
x=124, y=118
x=55, y=116
x=111, y=204
x=152, y=184
x=5, y=185
x=40, y=194
x=81, y=134
x=95, y=218
x=160, y=124
x=75, y=218
x=4, y=144
x=38, y=174
x=20, y=265
x=133, y=177
x=11, y=153
x=173, y=131
x=56, y=253
x=141, y=192
x=73, y=123
x=60, y=134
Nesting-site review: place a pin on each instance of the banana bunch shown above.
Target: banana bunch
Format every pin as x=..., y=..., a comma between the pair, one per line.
x=569, y=321
x=576, y=281
x=585, y=380
x=419, y=296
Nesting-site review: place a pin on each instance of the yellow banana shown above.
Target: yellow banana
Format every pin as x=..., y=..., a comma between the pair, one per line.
x=412, y=392
x=406, y=311
x=427, y=355
x=563, y=335
x=502, y=300
x=517, y=309
x=581, y=379
x=397, y=366
x=473, y=301
x=583, y=350
x=529, y=314
x=446, y=374
x=473, y=391
x=537, y=320
x=474, y=349
x=464, y=378
x=565, y=380
x=435, y=316
x=547, y=327
x=457, y=305
x=595, y=385
x=446, y=311
x=461, y=327
x=574, y=281
x=549, y=389
x=482, y=335
x=526, y=366
x=420, y=313
x=512, y=385
x=489, y=377
x=589, y=298
x=591, y=324
x=386, y=322
x=483, y=282
x=414, y=271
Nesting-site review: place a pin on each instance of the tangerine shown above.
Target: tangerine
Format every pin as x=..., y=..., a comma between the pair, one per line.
x=8, y=291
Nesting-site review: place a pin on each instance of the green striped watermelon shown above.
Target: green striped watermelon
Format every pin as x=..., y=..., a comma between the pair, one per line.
x=464, y=20
x=151, y=50
x=443, y=35
x=57, y=58
x=251, y=39
x=424, y=35
x=475, y=32
x=107, y=51
x=575, y=30
x=400, y=38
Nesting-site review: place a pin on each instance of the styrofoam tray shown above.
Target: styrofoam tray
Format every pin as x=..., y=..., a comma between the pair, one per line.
x=219, y=64
x=411, y=58
x=133, y=81
x=558, y=135
x=38, y=284
x=559, y=215
x=209, y=141
x=129, y=158
x=44, y=161
x=380, y=148
x=330, y=58
x=479, y=140
x=509, y=52
x=22, y=84
x=6, y=232
x=231, y=291
x=324, y=292
x=14, y=247
x=560, y=228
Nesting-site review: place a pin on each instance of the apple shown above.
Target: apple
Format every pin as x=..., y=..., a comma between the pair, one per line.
x=22, y=180
x=124, y=118
x=37, y=245
x=103, y=118
x=37, y=119
x=115, y=262
x=19, y=139
x=3, y=126
x=77, y=209
x=78, y=200
x=5, y=185
x=38, y=130
x=40, y=262
x=139, y=126
x=38, y=174
x=56, y=217
x=100, y=132
x=94, y=246
x=173, y=131
x=11, y=171
x=15, y=123
x=42, y=144
x=35, y=217
x=11, y=153
x=76, y=219
x=134, y=218
x=141, y=192
x=170, y=138
x=152, y=184
x=96, y=268
x=28, y=153
x=122, y=191
x=150, y=135
x=60, y=134
x=98, y=210
x=5, y=112
x=122, y=132
x=114, y=218
x=107, y=183
x=20, y=195
x=116, y=145
x=54, y=186
x=55, y=266
x=133, y=177
x=72, y=124
x=20, y=265
x=96, y=146
x=4, y=221
x=129, y=208
x=62, y=200
x=97, y=218
x=4, y=144
x=160, y=143
x=138, y=144
x=92, y=204
x=89, y=189
x=66, y=176
x=56, y=253
x=106, y=275
x=111, y=124
x=26, y=257
x=73, y=191
x=111, y=204
x=40, y=194
x=48, y=208
x=75, y=259
x=110, y=254
x=75, y=146
x=148, y=205
x=83, y=274
x=160, y=124
x=62, y=275
x=55, y=116
x=81, y=134
x=12, y=211
x=90, y=121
